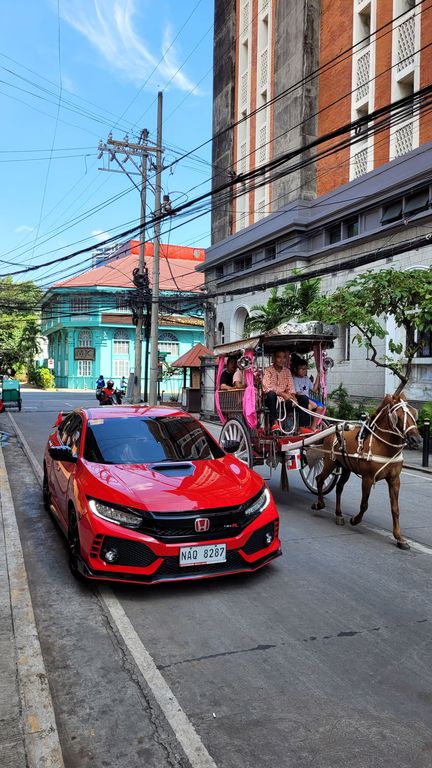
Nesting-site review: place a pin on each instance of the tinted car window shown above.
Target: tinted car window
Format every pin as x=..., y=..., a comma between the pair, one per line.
x=143, y=441
x=70, y=431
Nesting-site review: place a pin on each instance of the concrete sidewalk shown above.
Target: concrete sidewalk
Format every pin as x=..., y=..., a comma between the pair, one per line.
x=413, y=460
x=28, y=731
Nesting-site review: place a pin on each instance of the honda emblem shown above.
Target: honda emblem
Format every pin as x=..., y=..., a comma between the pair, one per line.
x=202, y=524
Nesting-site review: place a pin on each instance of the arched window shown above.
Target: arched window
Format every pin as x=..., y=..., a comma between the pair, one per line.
x=121, y=343
x=168, y=342
x=85, y=339
x=221, y=334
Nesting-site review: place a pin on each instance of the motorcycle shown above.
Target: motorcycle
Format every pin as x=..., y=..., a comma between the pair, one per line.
x=105, y=398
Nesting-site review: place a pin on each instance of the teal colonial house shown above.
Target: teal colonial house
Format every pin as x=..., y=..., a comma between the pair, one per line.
x=88, y=321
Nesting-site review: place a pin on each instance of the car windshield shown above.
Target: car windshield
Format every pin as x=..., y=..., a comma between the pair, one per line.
x=135, y=440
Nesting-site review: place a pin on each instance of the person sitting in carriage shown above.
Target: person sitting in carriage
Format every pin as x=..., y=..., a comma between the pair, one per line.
x=304, y=386
x=231, y=377
x=278, y=383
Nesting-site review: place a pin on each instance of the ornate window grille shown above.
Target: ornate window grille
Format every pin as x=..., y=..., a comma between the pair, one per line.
x=264, y=69
x=244, y=90
x=85, y=339
x=245, y=18
x=406, y=44
x=362, y=79
x=262, y=145
x=404, y=139
x=360, y=160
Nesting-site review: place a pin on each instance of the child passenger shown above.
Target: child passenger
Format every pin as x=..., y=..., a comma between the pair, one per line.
x=304, y=386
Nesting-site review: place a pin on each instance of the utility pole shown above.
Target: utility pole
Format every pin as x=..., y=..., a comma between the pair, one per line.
x=155, y=287
x=130, y=150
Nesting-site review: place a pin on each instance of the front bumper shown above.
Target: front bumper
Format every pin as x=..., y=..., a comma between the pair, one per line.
x=144, y=560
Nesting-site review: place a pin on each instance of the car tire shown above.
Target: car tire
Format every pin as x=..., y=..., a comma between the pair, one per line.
x=46, y=492
x=74, y=548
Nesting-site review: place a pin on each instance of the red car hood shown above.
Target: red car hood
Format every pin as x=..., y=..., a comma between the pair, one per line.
x=211, y=484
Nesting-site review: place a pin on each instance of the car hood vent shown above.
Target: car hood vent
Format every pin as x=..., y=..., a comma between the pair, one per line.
x=174, y=469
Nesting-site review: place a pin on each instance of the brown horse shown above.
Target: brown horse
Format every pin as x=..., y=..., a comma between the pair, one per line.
x=374, y=452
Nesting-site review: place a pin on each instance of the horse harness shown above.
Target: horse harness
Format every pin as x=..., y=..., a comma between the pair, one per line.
x=369, y=429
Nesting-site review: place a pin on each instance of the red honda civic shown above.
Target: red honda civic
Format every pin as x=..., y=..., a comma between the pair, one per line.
x=145, y=494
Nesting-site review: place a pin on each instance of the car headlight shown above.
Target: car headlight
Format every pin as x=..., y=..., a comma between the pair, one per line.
x=118, y=515
x=259, y=505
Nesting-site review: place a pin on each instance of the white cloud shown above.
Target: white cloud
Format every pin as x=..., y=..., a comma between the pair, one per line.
x=109, y=26
x=100, y=235
x=24, y=228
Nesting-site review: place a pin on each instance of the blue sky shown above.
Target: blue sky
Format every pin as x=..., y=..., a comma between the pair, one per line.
x=71, y=71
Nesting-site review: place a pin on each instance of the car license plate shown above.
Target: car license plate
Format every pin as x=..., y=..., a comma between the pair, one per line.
x=207, y=555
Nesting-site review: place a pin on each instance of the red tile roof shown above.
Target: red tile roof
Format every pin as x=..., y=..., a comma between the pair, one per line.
x=191, y=359
x=177, y=269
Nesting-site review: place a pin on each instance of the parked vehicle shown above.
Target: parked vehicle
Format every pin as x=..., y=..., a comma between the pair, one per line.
x=147, y=495
x=11, y=393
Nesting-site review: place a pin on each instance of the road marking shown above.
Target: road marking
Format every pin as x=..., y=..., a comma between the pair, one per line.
x=415, y=545
x=69, y=404
x=183, y=729
x=421, y=476
x=41, y=738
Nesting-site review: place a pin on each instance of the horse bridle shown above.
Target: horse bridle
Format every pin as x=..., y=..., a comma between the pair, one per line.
x=392, y=412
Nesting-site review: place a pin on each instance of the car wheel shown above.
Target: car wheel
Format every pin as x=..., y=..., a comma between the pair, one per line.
x=46, y=492
x=74, y=548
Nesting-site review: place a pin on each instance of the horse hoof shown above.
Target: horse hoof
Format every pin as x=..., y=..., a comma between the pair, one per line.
x=403, y=545
x=352, y=521
x=317, y=506
x=339, y=521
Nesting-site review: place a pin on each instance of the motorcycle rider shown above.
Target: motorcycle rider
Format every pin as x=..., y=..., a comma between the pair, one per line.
x=109, y=394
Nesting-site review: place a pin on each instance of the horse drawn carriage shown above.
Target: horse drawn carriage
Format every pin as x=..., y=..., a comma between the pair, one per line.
x=246, y=429
x=327, y=456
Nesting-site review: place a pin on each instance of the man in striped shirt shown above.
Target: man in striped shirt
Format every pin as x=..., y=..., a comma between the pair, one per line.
x=278, y=382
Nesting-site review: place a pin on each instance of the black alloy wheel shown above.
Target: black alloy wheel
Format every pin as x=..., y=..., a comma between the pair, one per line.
x=46, y=492
x=74, y=547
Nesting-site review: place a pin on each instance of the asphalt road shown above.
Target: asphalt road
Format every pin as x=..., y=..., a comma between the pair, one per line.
x=323, y=659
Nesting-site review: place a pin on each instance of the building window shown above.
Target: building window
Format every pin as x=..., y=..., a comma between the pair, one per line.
x=121, y=368
x=425, y=338
x=168, y=342
x=121, y=343
x=351, y=227
x=334, y=234
x=221, y=334
x=219, y=272
x=392, y=212
x=270, y=253
x=85, y=339
x=79, y=305
x=240, y=265
x=122, y=304
x=85, y=368
x=418, y=201
x=346, y=342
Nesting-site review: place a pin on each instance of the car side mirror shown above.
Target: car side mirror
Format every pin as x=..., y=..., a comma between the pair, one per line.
x=62, y=453
x=231, y=446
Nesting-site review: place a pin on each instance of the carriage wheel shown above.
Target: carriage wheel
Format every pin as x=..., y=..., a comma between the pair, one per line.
x=234, y=429
x=309, y=473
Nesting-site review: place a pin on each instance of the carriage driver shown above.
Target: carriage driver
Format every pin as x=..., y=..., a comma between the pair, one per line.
x=278, y=382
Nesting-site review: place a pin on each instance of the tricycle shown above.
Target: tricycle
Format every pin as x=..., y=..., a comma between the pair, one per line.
x=11, y=393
